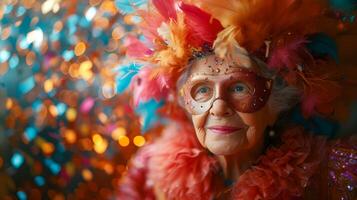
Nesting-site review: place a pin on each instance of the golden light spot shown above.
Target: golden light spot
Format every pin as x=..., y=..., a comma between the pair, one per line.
x=108, y=168
x=97, y=138
x=101, y=147
x=70, y=136
x=53, y=110
x=85, y=69
x=124, y=141
x=73, y=70
x=47, y=148
x=100, y=143
x=139, y=140
x=108, y=6
x=80, y=48
x=71, y=114
x=87, y=75
x=120, y=131
x=128, y=20
x=48, y=85
x=85, y=66
x=87, y=175
x=9, y=103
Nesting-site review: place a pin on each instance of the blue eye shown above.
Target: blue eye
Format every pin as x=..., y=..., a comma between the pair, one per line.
x=203, y=90
x=240, y=88
x=202, y=93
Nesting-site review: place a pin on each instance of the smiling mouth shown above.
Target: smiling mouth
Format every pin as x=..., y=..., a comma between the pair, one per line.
x=224, y=130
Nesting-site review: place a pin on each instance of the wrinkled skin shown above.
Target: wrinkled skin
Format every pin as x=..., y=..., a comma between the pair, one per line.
x=245, y=130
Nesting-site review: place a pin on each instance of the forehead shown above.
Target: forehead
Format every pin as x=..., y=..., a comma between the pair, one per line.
x=213, y=65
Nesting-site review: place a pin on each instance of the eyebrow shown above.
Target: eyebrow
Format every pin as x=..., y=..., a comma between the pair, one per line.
x=201, y=78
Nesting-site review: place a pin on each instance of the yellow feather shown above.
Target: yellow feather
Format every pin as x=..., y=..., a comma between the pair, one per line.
x=225, y=42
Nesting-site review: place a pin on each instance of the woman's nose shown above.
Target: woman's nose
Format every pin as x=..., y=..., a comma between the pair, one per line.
x=220, y=108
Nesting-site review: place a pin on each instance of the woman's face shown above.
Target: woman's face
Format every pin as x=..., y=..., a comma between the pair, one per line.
x=228, y=103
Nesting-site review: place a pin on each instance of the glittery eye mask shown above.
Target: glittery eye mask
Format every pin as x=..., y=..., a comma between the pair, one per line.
x=243, y=90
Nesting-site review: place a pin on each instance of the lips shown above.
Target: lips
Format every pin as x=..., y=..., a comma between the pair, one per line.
x=224, y=130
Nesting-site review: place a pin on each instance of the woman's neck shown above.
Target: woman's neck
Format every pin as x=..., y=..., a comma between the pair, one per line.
x=234, y=165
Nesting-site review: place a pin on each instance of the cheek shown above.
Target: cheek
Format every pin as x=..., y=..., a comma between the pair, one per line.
x=259, y=120
x=199, y=123
x=253, y=136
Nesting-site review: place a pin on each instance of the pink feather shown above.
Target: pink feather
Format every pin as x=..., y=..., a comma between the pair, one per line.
x=202, y=27
x=151, y=22
x=288, y=55
x=166, y=8
x=181, y=167
x=134, y=185
x=146, y=87
x=136, y=48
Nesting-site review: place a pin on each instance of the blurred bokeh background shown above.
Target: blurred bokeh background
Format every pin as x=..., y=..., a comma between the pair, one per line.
x=64, y=131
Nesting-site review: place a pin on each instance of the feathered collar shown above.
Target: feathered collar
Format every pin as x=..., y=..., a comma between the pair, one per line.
x=181, y=169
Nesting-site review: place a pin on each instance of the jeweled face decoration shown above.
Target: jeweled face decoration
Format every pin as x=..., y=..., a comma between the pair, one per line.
x=227, y=100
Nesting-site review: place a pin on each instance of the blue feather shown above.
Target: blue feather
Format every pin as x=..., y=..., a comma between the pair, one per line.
x=148, y=113
x=129, y=6
x=126, y=73
x=321, y=45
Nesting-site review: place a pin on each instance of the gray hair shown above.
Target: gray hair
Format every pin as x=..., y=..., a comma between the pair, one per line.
x=283, y=97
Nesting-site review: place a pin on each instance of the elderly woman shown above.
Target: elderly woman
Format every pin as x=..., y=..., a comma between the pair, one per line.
x=237, y=77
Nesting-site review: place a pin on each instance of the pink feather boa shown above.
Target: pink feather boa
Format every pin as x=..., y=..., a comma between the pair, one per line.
x=181, y=168
x=284, y=172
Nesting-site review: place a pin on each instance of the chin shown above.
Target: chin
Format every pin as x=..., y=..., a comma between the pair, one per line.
x=224, y=145
x=223, y=150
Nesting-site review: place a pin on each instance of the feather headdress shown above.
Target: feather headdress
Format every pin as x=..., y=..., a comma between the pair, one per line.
x=286, y=34
x=173, y=30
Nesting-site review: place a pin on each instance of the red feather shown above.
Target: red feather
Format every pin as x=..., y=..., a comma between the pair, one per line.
x=320, y=96
x=166, y=8
x=201, y=25
x=288, y=55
